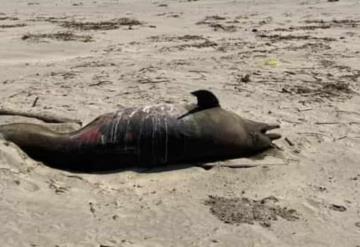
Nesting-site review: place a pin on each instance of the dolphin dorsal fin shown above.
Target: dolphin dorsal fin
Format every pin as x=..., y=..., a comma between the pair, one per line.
x=206, y=99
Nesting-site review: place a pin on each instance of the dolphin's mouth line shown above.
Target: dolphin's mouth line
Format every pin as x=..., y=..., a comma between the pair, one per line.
x=272, y=136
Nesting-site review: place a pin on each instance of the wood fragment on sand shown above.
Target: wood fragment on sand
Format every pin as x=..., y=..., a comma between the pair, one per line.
x=289, y=142
x=35, y=101
x=322, y=123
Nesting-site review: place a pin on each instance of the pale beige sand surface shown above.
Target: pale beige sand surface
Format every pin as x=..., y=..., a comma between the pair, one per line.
x=303, y=63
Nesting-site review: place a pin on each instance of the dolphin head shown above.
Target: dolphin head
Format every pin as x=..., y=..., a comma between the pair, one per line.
x=259, y=138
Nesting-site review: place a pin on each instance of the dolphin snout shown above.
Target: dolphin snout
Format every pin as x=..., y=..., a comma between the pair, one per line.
x=272, y=136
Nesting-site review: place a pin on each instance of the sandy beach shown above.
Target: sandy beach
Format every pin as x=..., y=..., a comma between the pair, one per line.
x=294, y=63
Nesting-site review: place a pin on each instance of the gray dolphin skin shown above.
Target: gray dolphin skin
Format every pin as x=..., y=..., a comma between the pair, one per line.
x=146, y=136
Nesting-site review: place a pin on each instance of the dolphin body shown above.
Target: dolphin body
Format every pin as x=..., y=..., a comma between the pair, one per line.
x=146, y=136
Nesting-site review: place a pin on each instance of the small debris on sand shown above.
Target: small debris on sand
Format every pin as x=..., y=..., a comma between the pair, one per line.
x=101, y=25
x=244, y=210
x=62, y=36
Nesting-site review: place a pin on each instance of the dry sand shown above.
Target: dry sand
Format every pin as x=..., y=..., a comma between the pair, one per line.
x=295, y=63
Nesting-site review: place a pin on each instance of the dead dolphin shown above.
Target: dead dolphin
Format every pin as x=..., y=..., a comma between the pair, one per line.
x=146, y=136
